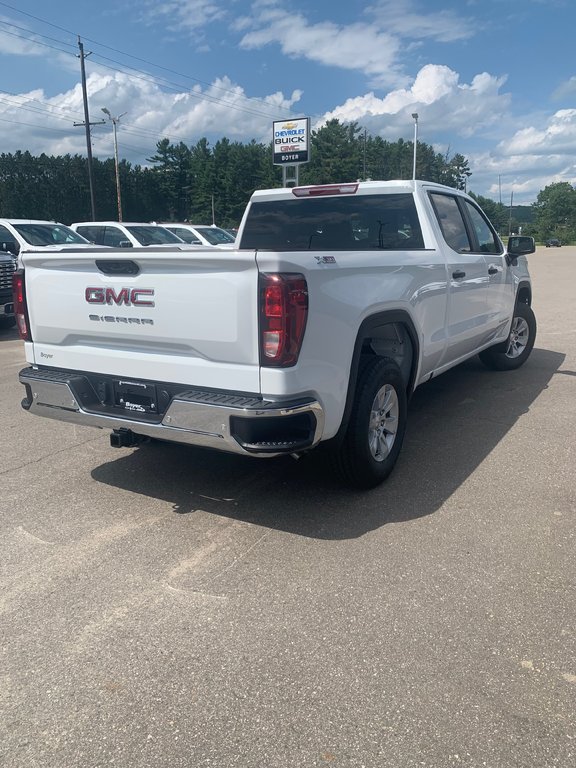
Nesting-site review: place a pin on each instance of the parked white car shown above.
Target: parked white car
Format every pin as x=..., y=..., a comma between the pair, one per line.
x=128, y=234
x=202, y=234
x=18, y=235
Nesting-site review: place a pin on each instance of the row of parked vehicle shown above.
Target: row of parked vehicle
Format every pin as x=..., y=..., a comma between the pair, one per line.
x=17, y=235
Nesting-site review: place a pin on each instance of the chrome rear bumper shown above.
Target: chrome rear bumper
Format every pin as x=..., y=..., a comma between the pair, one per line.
x=220, y=420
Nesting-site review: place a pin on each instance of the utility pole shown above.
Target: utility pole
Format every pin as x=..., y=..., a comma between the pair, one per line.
x=510, y=217
x=115, y=121
x=87, y=125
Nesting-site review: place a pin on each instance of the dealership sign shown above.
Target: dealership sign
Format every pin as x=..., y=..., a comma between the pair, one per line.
x=291, y=141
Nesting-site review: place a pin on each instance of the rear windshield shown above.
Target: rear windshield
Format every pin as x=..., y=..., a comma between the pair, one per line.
x=360, y=222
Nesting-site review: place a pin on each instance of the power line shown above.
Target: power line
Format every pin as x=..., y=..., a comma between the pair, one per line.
x=146, y=77
x=124, y=69
x=34, y=125
x=47, y=110
x=144, y=61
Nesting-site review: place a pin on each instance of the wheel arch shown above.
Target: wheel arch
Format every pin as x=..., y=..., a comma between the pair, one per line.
x=391, y=334
x=524, y=293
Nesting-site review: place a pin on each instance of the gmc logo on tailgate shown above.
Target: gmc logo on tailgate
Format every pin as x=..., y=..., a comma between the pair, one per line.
x=130, y=297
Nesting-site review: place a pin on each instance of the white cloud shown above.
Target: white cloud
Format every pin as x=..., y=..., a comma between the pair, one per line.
x=442, y=102
x=16, y=42
x=531, y=159
x=566, y=90
x=375, y=48
x=401, y=18
x=559, y=136
x=188, y=15
x=357, y=46
x=222, y=109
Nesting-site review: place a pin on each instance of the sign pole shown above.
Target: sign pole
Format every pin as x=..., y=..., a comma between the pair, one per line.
x=290, y=175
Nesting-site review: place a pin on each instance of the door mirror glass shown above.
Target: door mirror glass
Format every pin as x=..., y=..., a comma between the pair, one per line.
x=520, y=245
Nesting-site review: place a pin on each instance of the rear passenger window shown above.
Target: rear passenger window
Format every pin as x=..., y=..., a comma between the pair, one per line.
x=114, y=236
x=93, y=234
x=451, y=222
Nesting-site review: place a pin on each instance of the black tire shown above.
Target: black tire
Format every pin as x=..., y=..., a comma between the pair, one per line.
x=516, y=350
x=7, y=322
x=375, y=432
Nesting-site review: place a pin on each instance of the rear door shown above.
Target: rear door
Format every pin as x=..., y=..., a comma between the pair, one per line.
x=467, y=308
x=176, y=316
x=500, y=290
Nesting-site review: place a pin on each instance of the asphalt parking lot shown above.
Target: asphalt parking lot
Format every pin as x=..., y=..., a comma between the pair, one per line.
x=164, y=607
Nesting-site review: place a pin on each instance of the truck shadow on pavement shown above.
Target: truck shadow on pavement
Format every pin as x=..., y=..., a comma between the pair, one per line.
x=454, y=423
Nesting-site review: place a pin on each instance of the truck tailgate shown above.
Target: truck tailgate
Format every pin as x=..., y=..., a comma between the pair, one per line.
x=184, y=317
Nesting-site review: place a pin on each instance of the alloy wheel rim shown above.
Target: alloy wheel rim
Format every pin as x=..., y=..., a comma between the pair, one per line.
x=383, y=423
x=518, y=339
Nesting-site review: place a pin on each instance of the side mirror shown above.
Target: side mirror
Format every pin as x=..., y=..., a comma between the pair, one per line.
x=519, y=245
x=125, y=244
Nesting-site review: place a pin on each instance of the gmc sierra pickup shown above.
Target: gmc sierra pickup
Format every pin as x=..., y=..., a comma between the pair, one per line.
x=338, y=302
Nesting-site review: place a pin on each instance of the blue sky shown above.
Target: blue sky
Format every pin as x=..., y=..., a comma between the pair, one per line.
x=492, y=79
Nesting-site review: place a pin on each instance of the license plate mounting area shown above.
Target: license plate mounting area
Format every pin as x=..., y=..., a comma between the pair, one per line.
x=135, y=396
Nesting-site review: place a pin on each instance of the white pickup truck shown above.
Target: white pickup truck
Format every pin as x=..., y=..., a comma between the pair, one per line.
x=338, y=302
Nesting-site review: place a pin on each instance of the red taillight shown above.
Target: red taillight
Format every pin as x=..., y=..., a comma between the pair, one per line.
x=283, y=313
x=20, y=309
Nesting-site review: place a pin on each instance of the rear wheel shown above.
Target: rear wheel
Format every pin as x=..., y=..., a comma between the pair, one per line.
x=7, y=322
x=376, y=428
x=516, y=350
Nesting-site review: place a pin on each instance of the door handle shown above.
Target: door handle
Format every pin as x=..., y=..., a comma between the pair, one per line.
x=492, y=270
x=458, y=274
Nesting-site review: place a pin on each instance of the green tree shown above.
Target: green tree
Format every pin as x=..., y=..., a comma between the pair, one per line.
x=172, y=165
x=187, y=182
x=555, y=212
x=457, y=172
x=202, y=183
x=336, y=154
x=498, y=214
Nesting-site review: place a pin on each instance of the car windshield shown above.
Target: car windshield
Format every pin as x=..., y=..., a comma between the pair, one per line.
x=48, y=234
x=215, y=235
x=151, y=235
